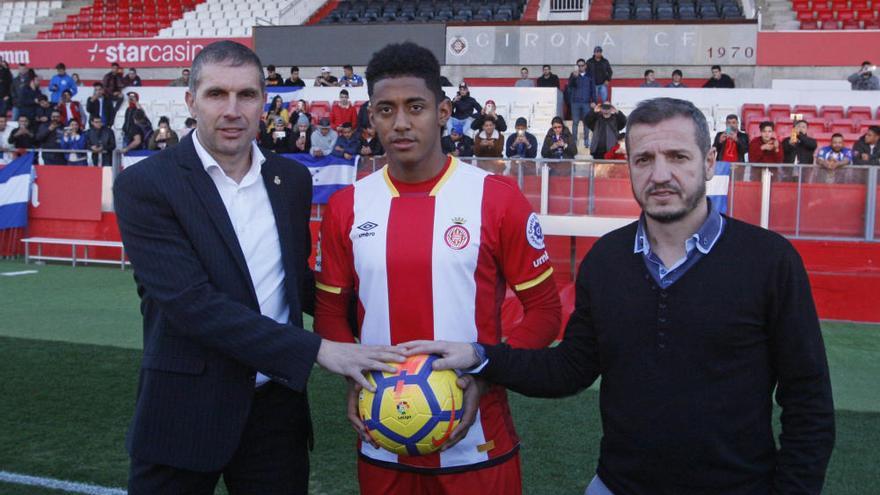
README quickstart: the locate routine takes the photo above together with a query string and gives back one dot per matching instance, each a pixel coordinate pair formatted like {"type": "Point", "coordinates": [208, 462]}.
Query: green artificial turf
{"type": "Point", "coordinates": [69, 357]}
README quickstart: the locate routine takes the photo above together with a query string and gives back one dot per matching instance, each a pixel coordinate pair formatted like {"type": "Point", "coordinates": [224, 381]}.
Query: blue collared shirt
{"type": "Point", "coordinates": [696, 246]}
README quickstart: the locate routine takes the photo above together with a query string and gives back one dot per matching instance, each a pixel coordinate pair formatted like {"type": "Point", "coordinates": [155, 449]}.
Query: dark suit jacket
{"type": "Point", "coordinates": [204, 337]}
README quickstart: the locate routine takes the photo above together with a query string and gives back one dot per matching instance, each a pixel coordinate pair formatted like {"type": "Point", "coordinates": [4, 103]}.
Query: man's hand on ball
{"type": "Point", "coordinates": [354, 418]}
{"type": "Point", "coordinates": [453, 355]}
{"type": "Point", "coordinates": [473, 388]}
{"type": "Point", "coordinates": [351, 360]}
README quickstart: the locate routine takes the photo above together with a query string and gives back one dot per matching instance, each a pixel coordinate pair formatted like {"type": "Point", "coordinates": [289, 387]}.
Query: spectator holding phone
{"type": "Point", "coordinates": [323, 139]}
{"type": "Point", "coordinates": [74, 140]}
{"type": "Point", "coordinates": [302, 135]}
{"type": "Point", "coordinates": [465, 108]}
{"type": "Point", "coordinates": [731, 144]}
{"type": "Point", "coordinates": [864, 79]}
{"type": "Point", "coordinates": [164, 136]}
{"type": "Point", "coordinates": [559, 142]}
{"type": "Point", "coordinates": [101, 141]}
{"type": "Point", "coordinates": [347, 144]}
{"type": "Point", "coordinates": [489, 112]}
{"type": "Point", "coordinates": [489, 142]}
{"type": "Point", "coordinates": [522, 144]}
{"type": "Point", "coordinates": [60, 83]}
{"type": "Point", "coordinates": [799, 147]}
{"type": "Point", "coordinates": [766, 148]}
{"type": "Point", "coordinates": [276, 109]}
{"type": "Point", "coordinates": [277, 137]}
{"type": "Point", "coordinates": [369, 144]}
{"type": "Point", "coordinates": [456, 143]}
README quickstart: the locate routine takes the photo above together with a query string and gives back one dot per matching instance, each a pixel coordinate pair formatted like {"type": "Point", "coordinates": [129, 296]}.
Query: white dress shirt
{"type": "Point", "coordinates": [247, 204]}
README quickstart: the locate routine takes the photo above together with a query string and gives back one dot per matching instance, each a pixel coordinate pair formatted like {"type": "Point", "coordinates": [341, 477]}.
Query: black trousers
{"type": "Point", "coordinates": [272, 458]}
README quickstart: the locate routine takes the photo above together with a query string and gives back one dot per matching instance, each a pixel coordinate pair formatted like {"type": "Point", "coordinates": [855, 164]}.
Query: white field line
{"type": "Point", "coordinates": [67, 486]}
{"type": "Point", "coordinates": [15, 274]}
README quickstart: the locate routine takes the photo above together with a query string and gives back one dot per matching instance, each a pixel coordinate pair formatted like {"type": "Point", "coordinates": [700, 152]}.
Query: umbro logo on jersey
{"type": "Point", "coordinates": [366, 229]}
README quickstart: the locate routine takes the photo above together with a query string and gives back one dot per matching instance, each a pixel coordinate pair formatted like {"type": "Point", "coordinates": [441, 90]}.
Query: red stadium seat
{"type": "Point", "coordinates": [806, 111]}
{"type": "Point", "coordinates": [858, 113]}
{"type": "Point", "coordinates": [807, 25]}
{"type": "Point", "coordinates": [831, 111]}
{"type": "Point", "coordinates": [783, 128]}
{"type": "Point", "coordinates": [830, 25]}
{"type": "Point", "coordinates": [863, 12]}
{"type": "Point", "coordinates": [779, 112]}
{"type": "Point", "coordinates": [319, 109]}
{"type": "Point", "coordinates": [843, 126]}
{"type": "Point", "coordinates": [852, 24]}
{"type": "Point", "coordinates": [802, 7]}
{"type": "Point", "coordinates": [753, 129]}
{"type": "Point", "coordinates": [806, 16]}
{"type": "Point", "coordinates": [865, 124]}
{"type": "Point", "coordinates": [871, 23]}
{"type": "Point", "coordinates": [845, 15]}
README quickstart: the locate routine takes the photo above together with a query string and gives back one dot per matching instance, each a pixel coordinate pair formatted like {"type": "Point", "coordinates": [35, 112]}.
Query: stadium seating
{"type": "Point", "coordinates": [371, 11]}
{"type": "Point", "coordinates": [837, 14]}
{"type": "Point", "coordinates": [15, 14]}
{"type": "Point", "coordinates": [120, 19]}
{"type": "Point", "coordinates": [851, 122]}
{"type": "Point", "coordinates": [223, 18]}
{"type": "Point", "coordinates": [676, 9]}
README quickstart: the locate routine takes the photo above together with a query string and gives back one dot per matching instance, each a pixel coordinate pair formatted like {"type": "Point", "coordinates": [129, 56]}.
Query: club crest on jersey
{"type": "Point", "coordinates": [534, 234]}
{"type": "Point", "coordinates": [457, 236]}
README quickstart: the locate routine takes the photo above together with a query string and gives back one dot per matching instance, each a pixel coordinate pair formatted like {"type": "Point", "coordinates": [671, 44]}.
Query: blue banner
{"type": "Point", "coordinates": [15, 186]}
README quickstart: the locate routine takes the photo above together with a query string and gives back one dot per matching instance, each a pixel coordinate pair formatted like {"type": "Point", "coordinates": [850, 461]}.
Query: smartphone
{"type": "Point", "coordinates": [520, 133]}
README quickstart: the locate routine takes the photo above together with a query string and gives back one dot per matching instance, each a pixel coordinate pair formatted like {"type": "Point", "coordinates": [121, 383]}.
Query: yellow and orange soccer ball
{"type": "Point", "coordinates": [414, 409]}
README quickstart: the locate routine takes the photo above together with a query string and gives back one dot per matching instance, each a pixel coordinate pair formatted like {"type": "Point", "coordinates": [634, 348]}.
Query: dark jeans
{"type": "Point", "coordinates": [272, 457]}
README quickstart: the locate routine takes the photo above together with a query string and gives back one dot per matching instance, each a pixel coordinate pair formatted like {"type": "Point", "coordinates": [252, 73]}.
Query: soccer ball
{"type": "Point", "coordinates": [414, 409]}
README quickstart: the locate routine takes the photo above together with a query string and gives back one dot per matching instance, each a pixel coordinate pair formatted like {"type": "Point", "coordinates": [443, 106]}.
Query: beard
{"type": "Point", "coordinates": [691, 202]}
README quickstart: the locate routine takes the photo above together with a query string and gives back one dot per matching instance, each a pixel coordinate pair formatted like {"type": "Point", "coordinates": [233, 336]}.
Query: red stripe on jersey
{"type": "Point", "coordinates": [408, 262]}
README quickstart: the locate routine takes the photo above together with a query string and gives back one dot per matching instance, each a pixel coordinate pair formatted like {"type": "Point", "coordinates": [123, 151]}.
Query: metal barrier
{"type": "Point", "coordinates": [90, 162]}
{"type": "Point", "coordinates": [798, 201]}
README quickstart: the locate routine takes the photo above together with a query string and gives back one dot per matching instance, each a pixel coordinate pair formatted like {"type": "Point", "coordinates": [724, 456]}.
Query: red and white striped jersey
{"type": "Point", "coordinates": [435, 265]}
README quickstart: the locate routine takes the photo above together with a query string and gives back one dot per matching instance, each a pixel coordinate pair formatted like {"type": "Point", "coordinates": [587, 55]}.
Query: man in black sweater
{"type": "Point", "coordinates": [694, 321]}
{"type": "Point", "coordinates": [798, 148]}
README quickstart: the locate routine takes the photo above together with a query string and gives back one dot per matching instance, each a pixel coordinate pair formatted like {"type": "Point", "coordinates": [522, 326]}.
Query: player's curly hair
{"type": "Point", "coordinates": [405, 59]}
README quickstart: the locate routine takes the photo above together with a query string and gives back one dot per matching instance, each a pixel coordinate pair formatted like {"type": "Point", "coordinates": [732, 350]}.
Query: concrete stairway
{"type": "Point", "coordinates": [778, 15]}
{"type": "Point", "coordinates": [29, 32]}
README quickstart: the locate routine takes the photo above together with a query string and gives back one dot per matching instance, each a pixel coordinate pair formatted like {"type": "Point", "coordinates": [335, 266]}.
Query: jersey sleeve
{"type": "Point", "coordinates": [334, 270]}
{"type": "Point", "coordinates": [522, 255]}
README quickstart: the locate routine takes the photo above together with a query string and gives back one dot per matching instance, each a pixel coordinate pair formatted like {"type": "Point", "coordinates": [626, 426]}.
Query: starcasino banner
{"type": "Point", "coordinates": [100, 53]}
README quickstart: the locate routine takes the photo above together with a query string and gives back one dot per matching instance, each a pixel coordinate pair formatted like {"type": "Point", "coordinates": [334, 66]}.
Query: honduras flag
{"type": "Point", "coordinates": [133, 157]}
{"type": "Point", "coordinates": [718, 187]}
{"type": "Point", "coordinates": [15, 184]}
{"type": "Point", "coordinates": [329, 174]}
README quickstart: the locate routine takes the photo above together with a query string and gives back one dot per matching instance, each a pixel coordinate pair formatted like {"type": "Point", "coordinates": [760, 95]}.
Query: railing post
{"type": "Point", "coordinates": [765, 197]}
{"type": "Point", "coordinates": [871, 204]}
{"type": "Point", "coordinates": [797, 218]}
{"type": "Point", "coordinates": [591, 196]}
{"type": "Point", "coordinates": [545, 188]}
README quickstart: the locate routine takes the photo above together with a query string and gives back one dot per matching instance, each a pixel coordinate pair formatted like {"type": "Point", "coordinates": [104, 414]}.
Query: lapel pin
{"type": "Point", "coordinates": [277, 180]}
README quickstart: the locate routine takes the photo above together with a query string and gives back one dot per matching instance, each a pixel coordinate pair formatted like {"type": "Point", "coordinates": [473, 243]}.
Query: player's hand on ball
{"type": "Point", "coordinates": [473, 388]}
{"type": "Point", "coordinates": [454, 355]}
{"type": "Point", "coordinates": [353, 417]}
{"type": "Point", "coordinates": [351, 360]}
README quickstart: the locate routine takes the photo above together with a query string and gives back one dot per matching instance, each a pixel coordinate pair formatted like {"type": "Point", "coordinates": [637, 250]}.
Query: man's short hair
{"type": "Point", "coordinates": [837, 134]}
{"type": "Point", "coordinates": [60, 66]}
{"type": "Point", "coordinates": [580, 60]}
{"type": "Point", "coordinates": [716, 67]}
{"type": "Point", "coordinates": [343, 92]}
{"type": "Point", "coordinates": [875, 129]}
{"type": "Point", "coordinates": [649, 71]}
{"type": "Point", "coordinates": [866, 62]}
{"type": "Point", "coordinates": [98, 84]}
{"type": "Point", "coordinates": [677, 72]}
{"type": "Point", "coordinates": [656, 110]}
{"type": "Point", "coordinates": [294, 69]}
{"type": "Point", "coordinates": [349, 67]}
{"type": "Point", "coordinates": [225, 52]}
{"type": "Point", "coordinates": [802, 121]}
{"type": "Point", "coordinates": [524, 69]}
{"type": "Point", "coordinates": [545, 66]}
{"type": "Point", "coordinates": [766, 123]}
{"type": "Point", "coordinates": [42, 97]}
{"type": "Point", "coordinates": [405, 59]}
{"type": "Point", "coordinates": [96, 117]}
{"type": "Point", "coordinates": [270, 68]}
{"type": "Point", "coordinates": [732, 116]}
{"type": "Point", "coordinates": [114, 64]}
{"type": "Point", "coordinates": [189, 122]}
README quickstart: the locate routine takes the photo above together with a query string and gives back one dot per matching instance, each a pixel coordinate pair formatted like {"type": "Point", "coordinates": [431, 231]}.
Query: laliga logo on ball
{"type": "Point", "coordinates": [414, 409]}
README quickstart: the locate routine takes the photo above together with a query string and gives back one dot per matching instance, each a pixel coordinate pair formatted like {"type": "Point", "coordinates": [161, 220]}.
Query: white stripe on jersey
{"type": "Point", "coordinates": [372, 205]}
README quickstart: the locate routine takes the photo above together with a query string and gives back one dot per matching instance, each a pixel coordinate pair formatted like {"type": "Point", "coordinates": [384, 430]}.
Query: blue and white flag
{"type": "Point", "coordinates": [133, 157]}
{"type": "Point", "coordinates": [329, 174]}
{"type": "Point", "coordinates": [15, 185]}
{"type": "Point", "coordinates": [718, 187]}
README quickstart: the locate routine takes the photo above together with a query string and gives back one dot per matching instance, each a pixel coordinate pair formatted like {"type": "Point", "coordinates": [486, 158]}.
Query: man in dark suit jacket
{"type": "Point", "coordinates": [218, 236]}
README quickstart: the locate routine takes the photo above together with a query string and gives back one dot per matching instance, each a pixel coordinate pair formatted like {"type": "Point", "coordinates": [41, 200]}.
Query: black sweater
{"type": "Point", "coordinates": [689, 373]}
